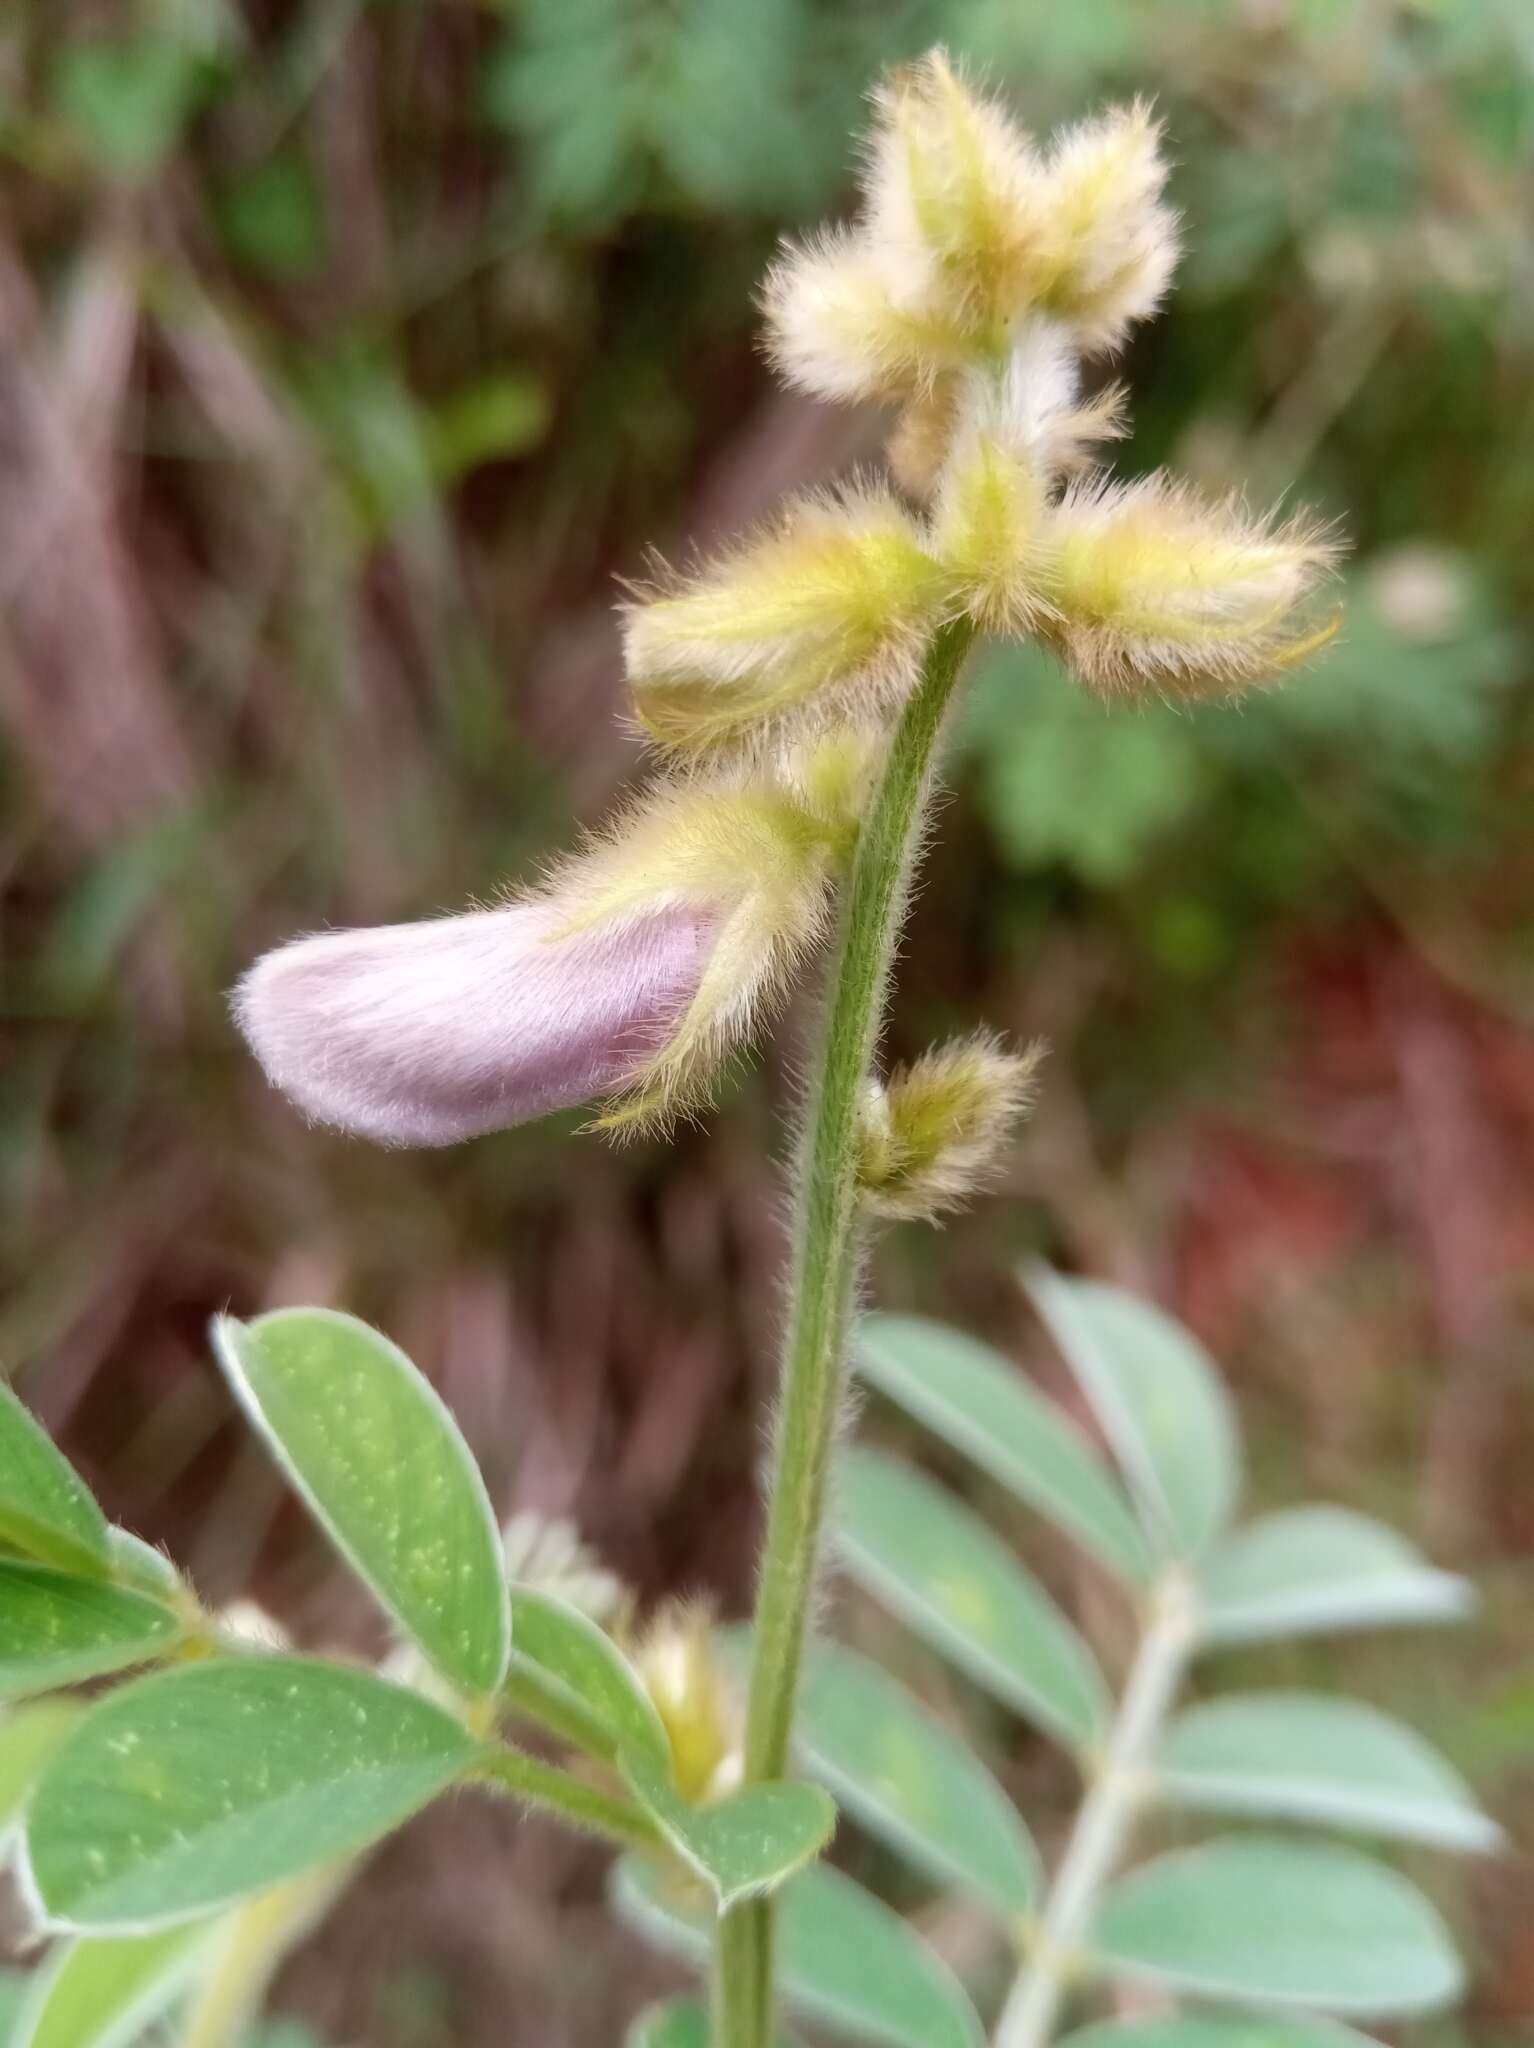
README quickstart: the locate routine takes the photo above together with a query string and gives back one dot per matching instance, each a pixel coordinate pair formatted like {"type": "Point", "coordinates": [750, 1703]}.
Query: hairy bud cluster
{"type": "Point", "coordinates": [967, 230]}
{"type": "Point", "coordinates": [934, 1132]}
{"type": "Point", "coordinates": [980, 272]}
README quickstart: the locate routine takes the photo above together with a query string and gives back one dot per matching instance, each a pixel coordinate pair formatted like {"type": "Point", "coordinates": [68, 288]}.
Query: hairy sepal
{"type": "Point", "coordinates": [827, 613]}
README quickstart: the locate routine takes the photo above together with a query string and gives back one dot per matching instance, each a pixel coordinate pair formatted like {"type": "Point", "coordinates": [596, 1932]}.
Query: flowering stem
{"type": "Point", "coordinates": [1106, 1817]}
{"type": "Point", "coordinates": [826, 1254]}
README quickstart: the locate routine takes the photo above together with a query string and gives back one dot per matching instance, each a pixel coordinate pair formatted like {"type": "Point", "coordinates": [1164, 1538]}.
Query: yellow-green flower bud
{"type": "Point", "coordinates": [696, 1700]}
{"type": "Point", "coordinates": [936, 1131]}
{"type": "Point", "coordinates": [832, 610]}
{"type": "Point", "coordinates": [1148, 589]}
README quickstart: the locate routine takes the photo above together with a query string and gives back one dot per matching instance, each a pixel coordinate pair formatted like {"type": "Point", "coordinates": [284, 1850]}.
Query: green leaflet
{"type": "Point", "coordinates": [980, 1403]}
{"type": "Point", "coordinates": [581, 1670]}
{"type": "Point", "coordinates": [188, 1790]}
{"type": "Point", "coordinates": [744, 1844]}
{"type": "Point", "coordinates": [1311, 1570]}
{"type": "Point", "coordinates": [375, 1453]}
{"type": "Point", "coordinates": [56, 1629]}
{"type": "Point", "coordinates": [1159, 1398]}
{"type": "Point", "coordinates": [104, 1993]}
{"type": "Point", "coordinates": [1301, 1756]}
{"type": "Point", "coordinates": [910, 1780]}
{"type": "Point", "coordinates": [845, 1959]}
{"type": "Point", "coordinates": [46, 1510]}
{"type": "Point", "coordinates": [1280, 1922]}
{"type": "Point", "coordinates": [935, 1564]}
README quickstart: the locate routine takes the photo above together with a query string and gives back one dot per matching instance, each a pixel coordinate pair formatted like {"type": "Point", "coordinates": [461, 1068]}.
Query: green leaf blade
{"type": "Point", "coordinates": [1233, 2030]}
{"type": "Point", "coordinates": [1159, 1398]}
{"type": "Point", "coordinates": [139, 1566]}
{"type": "Point", "coordinates": [58, 1630]}
{"type": "Point", "coordinates": [909, 1780]}
{"type": "Point", "coordinates": [744, 1845]}
{"type": "Point", "coordinates": [844, 1958]}
{"type": "Point", "coordinates": [1313, 1570]}
{"type": "Point", "coordinates": [935, 1565]}
{"type": "Point", "coordinates": [194, 1788]}
{"type": "Point", "coordinates": [1302, 1756]}
{"type": "Point", "coordinates": [978, 1402]}
{"type": "Point", "coordinates": [106, 1993]}
{"type": "Point", "coordinates": [590, 1673]}
{"type": "Point", "coordinates": [28, 1737]}
{"type": "Point", "coordinates": [46, 1509]}
{"type": "Point", "coordinates": [379, 1460]}
{"type": "Point", "coordinates": [1280, 1922]}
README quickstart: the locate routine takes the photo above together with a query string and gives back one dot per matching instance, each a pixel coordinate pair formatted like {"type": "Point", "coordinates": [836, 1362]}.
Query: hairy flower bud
{"type": "Point", "coordinates": [968, 233]}
{"type": "Point", "coordinates": [834, 607]}
{"type": "Point", "coordinates": [632, 975]}
{"type": "Point", "coordinates": [849, 321]}
{"type": "Point", "coordinates": [1107, 245]}
{"type": "Point", "coordinates": [1149, 588]}
{"type": "Point", "coordinates": [935, 1131]}
{"type": "Point", "coordinates": [698, 1706]}
{"type": "Point", "coordinates": [952, 184]}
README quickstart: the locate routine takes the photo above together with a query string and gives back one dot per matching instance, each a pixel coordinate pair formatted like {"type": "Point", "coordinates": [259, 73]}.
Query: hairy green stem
{"type": "Point", "coordinates": [582, 1805]}
{"type": "Point", "coordinates": [827, 1249]}
{"type": "Point", "coordinates": [1102, 1827]}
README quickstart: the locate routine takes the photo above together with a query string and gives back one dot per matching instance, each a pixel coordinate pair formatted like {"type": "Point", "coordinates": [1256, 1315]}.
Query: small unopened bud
{"type": "Point", "coordinates": [969, 232]}
{"type": "Point", "coordinates": [632, 975]}
{"type": "Point", "coordinates": [1149, 589]}
{"type": "Point", "coordinates": [698, 1705]}
{"type": "Point", "coordinates": [848, 320]}
{"type": "Point", "coordinates": [1107, 245]}
{"type": "Point", "coordinates": [833, 608]}
{"type": "Point", "coordinates": [936, 1131]}
{"type": "Point", "coordinates": [953, 183]}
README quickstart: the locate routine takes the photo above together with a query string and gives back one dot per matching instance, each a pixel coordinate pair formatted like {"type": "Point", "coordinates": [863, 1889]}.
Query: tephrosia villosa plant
{"type": "Point", "coordinates": [182, 1831]}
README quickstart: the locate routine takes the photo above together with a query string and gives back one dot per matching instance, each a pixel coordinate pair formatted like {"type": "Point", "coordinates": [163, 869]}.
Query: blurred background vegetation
{"type": "Point", "coordinates": [349, 350]}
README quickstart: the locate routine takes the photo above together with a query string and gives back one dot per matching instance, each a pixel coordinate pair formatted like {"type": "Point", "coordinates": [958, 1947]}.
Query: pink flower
{"type": "Point", "coordinates": [426, 1034]}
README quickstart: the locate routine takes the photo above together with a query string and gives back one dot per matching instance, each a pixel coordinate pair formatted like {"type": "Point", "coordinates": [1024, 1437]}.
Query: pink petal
{"type": "Point", "coordinates": [425, 1034]}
